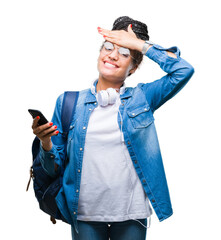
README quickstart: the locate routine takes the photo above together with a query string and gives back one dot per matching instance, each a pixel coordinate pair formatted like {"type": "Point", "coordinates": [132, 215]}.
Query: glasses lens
{"type": "Point", "coordinates": [124, 52]}
{"type": "Point", "coordinates": [108, 46]}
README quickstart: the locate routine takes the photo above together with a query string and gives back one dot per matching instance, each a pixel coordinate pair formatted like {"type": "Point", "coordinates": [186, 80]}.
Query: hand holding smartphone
{"type": "Point", "coordinates": [44, 133]}
{"type": "Point", "coordinates": [34, 113]}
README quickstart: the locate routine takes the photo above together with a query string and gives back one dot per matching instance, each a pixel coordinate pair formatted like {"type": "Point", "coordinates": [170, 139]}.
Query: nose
{"type": "Point", "coordinates": [114, 54]}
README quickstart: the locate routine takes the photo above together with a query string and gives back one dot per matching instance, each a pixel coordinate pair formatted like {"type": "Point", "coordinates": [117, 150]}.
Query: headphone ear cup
{"type": "Point", "coordinates": [112, 95]}
{"type": "Point", "coordinates": [102, 98]}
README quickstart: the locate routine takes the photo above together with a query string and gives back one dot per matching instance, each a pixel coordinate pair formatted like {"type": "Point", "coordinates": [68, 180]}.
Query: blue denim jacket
{"type": "Point", "coordinates": [137, 107]}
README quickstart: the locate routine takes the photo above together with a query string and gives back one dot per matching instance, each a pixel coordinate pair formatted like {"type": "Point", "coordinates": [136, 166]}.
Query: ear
{"type": "Point", "coordinates": [133, 69]}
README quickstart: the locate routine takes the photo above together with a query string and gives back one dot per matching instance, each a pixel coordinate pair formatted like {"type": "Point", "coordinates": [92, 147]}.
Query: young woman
{"type": "Point", "coordinates": [115, 167]}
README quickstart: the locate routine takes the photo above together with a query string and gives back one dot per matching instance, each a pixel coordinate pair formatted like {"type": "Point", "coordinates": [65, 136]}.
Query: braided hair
{"type": "Point", "coordinates": [139, 28]}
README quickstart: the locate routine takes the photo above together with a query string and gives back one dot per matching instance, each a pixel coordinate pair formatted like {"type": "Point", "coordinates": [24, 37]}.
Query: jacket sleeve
{"type": "Point", "coordinates": [178, 74]}
{"type": "Point", "coordinates": [57, 154]}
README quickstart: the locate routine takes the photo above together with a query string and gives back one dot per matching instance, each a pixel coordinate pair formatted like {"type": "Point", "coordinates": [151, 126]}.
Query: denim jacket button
{"type": "Point", "coordinates": [135, 161]}
{"type": "Point", "coordinates": [84, 127]}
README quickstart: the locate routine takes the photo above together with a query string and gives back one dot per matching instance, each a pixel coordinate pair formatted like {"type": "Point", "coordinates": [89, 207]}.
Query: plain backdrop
{"type": "Point", "coordinates": [47, 47]}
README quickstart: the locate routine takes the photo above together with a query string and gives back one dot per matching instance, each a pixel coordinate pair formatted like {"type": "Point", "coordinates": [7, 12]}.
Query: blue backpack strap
{"type": "Point", "coordinates": [68, 110]}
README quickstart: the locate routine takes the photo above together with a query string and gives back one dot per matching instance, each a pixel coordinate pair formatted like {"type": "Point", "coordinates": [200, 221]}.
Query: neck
{"type": "Point", "coordinates": [103, 84]}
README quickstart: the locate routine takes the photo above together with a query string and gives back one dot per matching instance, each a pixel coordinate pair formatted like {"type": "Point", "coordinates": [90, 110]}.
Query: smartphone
{"type": "Point", "coordinates": [36, 113]}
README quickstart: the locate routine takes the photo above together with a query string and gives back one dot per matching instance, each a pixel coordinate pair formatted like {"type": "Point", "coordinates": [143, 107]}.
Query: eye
{"type": "Point", "coordinates": [124, 52]}
{"type": "Point", "coordinates": [108, 46]}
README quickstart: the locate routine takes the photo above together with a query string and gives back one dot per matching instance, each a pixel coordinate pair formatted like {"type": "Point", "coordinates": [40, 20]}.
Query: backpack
{"type": "Point", "coordinates": [46, 188]}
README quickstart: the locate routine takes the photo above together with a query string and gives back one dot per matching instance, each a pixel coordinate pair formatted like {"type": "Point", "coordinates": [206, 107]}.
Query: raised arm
{"type": "Point", "coordinates": [178, 70]}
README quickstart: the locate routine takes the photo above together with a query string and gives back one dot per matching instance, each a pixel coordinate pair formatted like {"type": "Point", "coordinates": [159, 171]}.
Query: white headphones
{"type": "Point", "coordinates": [109, 96]}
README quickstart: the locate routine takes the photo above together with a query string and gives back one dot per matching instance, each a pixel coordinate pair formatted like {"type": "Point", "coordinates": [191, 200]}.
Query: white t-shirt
{"type": "Point", "coordinates": [110, 189]}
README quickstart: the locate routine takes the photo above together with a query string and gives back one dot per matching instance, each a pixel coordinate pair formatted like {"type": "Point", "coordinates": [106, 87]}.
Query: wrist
{"type": "Point", "coordinates": [139, 45]}
{"type": "Point", "coordinates": [46, 145]}
{"type": "Point", "coordinates": [146, 46]}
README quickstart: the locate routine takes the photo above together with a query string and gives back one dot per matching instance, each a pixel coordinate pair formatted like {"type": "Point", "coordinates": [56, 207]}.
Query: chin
{"type": "Point", "coordinates": [110, 77]}
{"type": "Point", "coordinates": [108, 73]}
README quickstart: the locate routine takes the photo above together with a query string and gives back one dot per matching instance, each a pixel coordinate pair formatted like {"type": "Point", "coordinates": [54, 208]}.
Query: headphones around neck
{"type": "Point", "coordinates": [108, 96]}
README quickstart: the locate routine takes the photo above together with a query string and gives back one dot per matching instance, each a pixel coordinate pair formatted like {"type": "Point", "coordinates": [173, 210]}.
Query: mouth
{"type": "Point", "coordinates": [111, 65]}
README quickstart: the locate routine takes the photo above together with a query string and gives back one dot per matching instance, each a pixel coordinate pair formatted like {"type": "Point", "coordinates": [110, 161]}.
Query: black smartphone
{"type": "Point", "coordinates": [36, 113]}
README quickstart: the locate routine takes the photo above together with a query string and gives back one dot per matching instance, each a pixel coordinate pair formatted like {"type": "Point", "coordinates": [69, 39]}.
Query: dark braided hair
{"type": "Point", "coordinates": [139, 28]}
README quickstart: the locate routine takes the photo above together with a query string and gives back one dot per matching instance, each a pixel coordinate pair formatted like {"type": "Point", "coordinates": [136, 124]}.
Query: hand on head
{"type": "Point", "coordinates": [127, 39]}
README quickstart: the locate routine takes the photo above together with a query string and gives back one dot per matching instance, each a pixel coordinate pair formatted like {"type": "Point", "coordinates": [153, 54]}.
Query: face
{"type": "Point", "coordinates": [113, 65]}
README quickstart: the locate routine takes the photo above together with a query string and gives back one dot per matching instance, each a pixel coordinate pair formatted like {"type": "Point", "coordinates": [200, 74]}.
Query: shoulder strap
{"type": "Point", "coordinates": [68, 109]}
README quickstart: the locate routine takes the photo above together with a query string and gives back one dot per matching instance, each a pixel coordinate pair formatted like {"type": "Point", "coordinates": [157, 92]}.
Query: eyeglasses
{"type": "Point", "coordinates": [108, 48]}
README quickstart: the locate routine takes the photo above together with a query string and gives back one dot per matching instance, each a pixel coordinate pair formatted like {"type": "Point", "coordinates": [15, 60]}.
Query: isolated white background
{"type": "Point", "coordinates": [47, 47]}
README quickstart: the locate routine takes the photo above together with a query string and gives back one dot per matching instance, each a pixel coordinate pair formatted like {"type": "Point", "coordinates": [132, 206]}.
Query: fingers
{"type": "Point", "coordinates": [122, 38]}
{"type": "Point", "coordinates": [109, 34]}
{"type": "Point", "coordinates": [44, 131]}
{"type": "Point", "coordinates": [129, 28]}
{"type": "Point", "coordinates": [130, 31]}
{"type": "Point", "coordinates": [103, 32]}
{"type": "Point", "coordinates": [117, 33]}
{"type": "Point", "coordinates": [112, 36]}
{"type": "Point", "coordinates": [35, 122]}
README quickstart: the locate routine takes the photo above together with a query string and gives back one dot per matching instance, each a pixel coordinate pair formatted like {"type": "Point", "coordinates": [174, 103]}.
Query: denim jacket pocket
{"type": "Point", "coordinates": [141, 116]}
